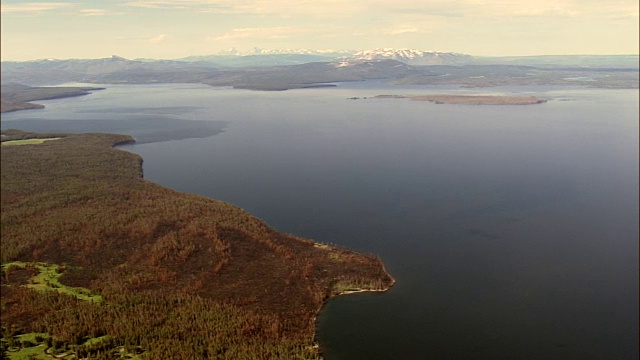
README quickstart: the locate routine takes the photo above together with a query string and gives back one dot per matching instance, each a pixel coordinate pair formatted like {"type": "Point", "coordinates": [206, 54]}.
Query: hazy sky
{"type": "Point", "coordinates": [177, 28]}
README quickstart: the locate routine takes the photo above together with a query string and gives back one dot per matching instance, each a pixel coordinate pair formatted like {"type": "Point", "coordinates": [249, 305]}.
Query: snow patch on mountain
{"type": "Point", "coordinates": [410, 56]}
{"type": "Point", "coordinates": [260, 51]}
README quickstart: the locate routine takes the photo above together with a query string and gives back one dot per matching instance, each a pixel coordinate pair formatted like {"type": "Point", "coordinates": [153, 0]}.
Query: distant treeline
{"type": "Point", "coordinates": [14, 97]}
{"type": "Point", "coordinates": [14, 134]}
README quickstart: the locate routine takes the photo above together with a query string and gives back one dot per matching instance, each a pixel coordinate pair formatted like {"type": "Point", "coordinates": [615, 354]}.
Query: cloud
{"type": "Point", "coordinates": [158, 39]}
{"type": "Point", "coordinates": [507, 10]}
{"type": "Point", "coordinates": [197, 5]}
{"type": "Point", "coordinates": [33, 7]}
{"type": "Point", "coordinates": [138, 39]}
{"type": "Point", "coordinates": [402, 30]}
{"type": "Point", "coordinates": [99, 12]}
{"type": "Point", "coordinates": [235, 34]}
{"type": "Point", "coordinates": [418, 10]}
{"type": "Point", "coordinates": [554, 8]}
{"type": "Point", "coordinates": [281, 8]}
{"type": "Point", "coordinates": [264, 34]}
{"type": "Point", "coordinates": [93, 12]}
{"type": "Point", "coordinates": [629, 10]}
{"type": "Point", "coordinates": [546, 10]}
{"type": "Point", "coordinates": [164, 4]}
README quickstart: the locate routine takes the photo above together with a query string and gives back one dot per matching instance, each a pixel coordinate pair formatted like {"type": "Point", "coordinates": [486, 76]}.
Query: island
{"type": "Point", "coordinates": [470, 99]}
{"type": "Point", "coordinates": [99, 263]}
{"type": "Point", "coordinates": [280, 86]}
{"type": "Point", "coordinates": [14, 97]}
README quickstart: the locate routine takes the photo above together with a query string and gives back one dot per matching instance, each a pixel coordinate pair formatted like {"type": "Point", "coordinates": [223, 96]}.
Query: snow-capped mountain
{"type": "Point", "coordinates": [261, 51]}
{"type": "Point", "coordinates": [267, 57]}
{"type": "Point", "coordinates": [410, 56]}
{"type": "Point", "coordinates": [270, 57]}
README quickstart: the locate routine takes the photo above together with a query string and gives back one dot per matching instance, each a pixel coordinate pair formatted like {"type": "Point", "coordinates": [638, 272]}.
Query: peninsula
{"type": "Point", "coordinates": [14, 97]}
{"type": "Point", "coordinates": [470, 99]}
{"type": "Point", "coordinates": [98, 262]}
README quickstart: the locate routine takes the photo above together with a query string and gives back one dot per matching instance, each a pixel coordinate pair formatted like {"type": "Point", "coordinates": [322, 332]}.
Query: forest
{"type": "Point", "coordinates": [99, 263]}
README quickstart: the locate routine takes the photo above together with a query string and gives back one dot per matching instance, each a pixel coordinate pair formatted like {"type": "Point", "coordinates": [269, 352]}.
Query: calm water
{"type": "Point", "coordinates": [512, 231]}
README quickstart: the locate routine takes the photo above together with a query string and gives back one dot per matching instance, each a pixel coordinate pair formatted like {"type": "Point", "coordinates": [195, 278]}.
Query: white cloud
{"type": "Point", "coordinates": [165, 4]}
{"type": "Point", "coordinates": [402, 30]}
{"type": "Point", "coordinates": [553, 8]}
{"type": "Point", "coordinates": [93, 12]}
{"type": "Point", "coordinates": [235, 34]}
{"type": "Point", "coordinates": [33, 7]}
{"type": "Point", "coordinates": [158, 39]}
{"type": "Point", "coordinates": [99, 12]}
{"type": "Point", "coordinates": [290, 35]}
{"type": "Point", "coordinates": [547, 9]}
{"type": "Point", "coordinates": [139, 39]}
{"type": "Point", "coordinates": [281, 8]}
{"type": "Point", "coordinates": [413, 9]}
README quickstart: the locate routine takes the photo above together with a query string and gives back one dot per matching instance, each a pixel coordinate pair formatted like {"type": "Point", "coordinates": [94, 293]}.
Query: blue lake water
{"type": "Point", "coordinates": [512, 231]}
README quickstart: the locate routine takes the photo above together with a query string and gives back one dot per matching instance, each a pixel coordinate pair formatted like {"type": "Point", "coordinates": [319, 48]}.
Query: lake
{"type": "Point", "coordinates": [512, 231]}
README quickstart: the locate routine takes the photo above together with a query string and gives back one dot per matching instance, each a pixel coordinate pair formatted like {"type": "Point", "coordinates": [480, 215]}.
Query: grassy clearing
{"type": "Point", "coordinates": [30, 353]}
{"type": "Point", "coordinates": [48, 278]}
{"type": "Point", "coordinates": [35, 338]}
{"type": "Point", "coordinates": [34, 346]}
{"type": "Point", "coordinates": [336, 257]}
{"type": "Point", "coordinates": [27, 141]}
{"type": "Point", "coordinates": [96, 340]}
{"type": "Point", "coordinates": [29, 346]}
{"type": "Point", "coordinates": [106, 343]}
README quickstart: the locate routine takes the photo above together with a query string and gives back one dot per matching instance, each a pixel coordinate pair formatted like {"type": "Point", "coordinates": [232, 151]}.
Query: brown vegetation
{"type": "Point", "coordinates": [182, 276]}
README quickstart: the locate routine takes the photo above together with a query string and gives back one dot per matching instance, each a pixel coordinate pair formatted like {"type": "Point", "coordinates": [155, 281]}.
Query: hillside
{"type": "Point", "coordinates": [111, 70]}
{"type": "Point", "coordinates": [145, 269]}
{"type": "Point", "coordinates": [304, 75]}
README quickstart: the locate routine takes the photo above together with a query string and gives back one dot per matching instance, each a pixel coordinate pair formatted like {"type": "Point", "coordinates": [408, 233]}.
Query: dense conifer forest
{"type": "Point", "coordinates": [99, 263]}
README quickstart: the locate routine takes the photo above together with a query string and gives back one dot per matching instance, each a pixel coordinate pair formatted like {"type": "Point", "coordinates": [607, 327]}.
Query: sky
{"type": "Point", "coordinates": [170, 29]}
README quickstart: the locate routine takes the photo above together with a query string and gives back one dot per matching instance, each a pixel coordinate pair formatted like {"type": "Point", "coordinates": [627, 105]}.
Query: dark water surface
{"type": "Point", "coordinates": [512, 231]}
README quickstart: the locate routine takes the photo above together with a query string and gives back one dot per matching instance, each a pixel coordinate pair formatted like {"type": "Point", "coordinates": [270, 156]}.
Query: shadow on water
{"type": "Point", "coordinates": [145, 129]}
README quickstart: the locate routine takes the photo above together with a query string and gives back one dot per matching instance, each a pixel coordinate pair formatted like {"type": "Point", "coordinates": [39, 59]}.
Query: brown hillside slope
{"type": "Point", "coordinates": [181, 274]}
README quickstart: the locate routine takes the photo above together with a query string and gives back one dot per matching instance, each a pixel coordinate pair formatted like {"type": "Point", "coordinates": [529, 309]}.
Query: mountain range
{"type": "Point", "coordinates": [268, 57]}
{"type": "Point", "coordinates": [262, 69]}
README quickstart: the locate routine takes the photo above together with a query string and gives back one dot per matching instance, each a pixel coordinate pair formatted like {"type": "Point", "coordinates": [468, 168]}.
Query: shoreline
{"type": "Point", "coordinates": [470, 99]}
{"type": "Point", "coordinates": [316, 341]}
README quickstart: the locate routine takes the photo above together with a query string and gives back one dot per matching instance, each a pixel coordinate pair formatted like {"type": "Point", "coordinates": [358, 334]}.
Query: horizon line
{"type": "Point", "coordinates": [336, 51]}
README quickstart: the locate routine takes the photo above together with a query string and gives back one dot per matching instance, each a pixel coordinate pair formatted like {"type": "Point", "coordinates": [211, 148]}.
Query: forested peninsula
{"type": "Point", "coordinates": [98, 262]}
{"type": "Point", "coordinates": [14, 97]}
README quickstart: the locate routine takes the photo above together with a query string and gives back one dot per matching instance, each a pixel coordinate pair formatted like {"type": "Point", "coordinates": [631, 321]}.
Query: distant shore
{"type": "Point", "coordinates": [470, 99]}
{"type": "Point", "coordinates": [281, 86]}
{"type": "Point", "coordinates": [17, 97]}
